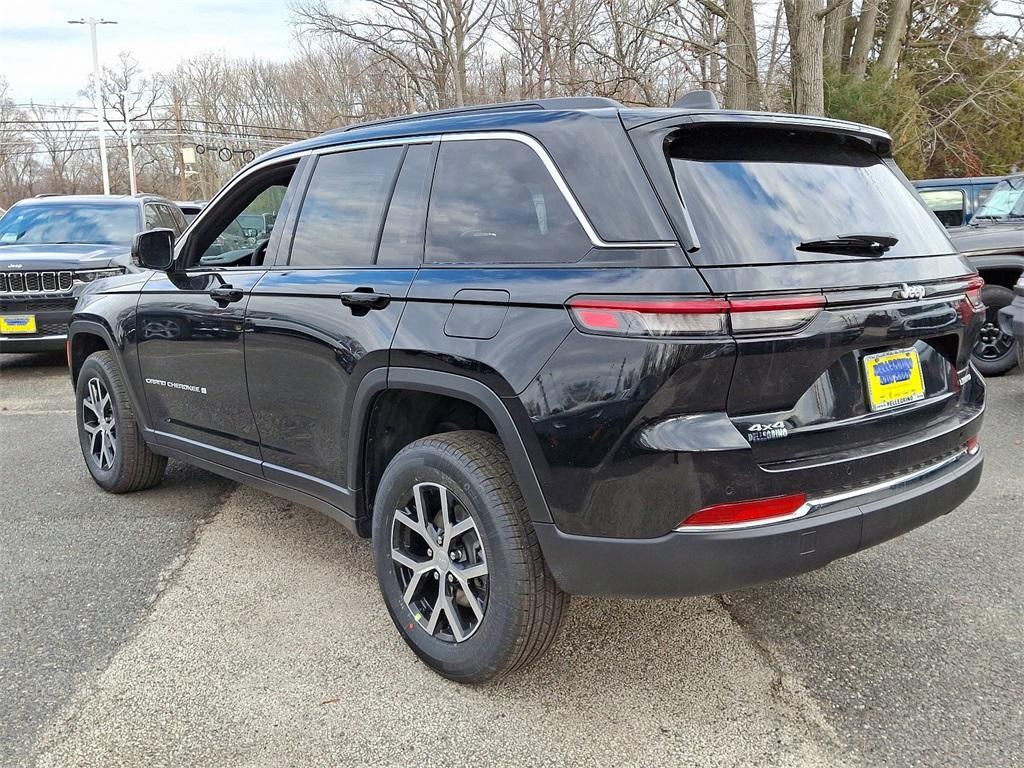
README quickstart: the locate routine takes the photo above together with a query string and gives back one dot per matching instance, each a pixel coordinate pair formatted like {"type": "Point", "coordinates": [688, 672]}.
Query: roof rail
{"type": "Point", "coordinates": [569, 102]}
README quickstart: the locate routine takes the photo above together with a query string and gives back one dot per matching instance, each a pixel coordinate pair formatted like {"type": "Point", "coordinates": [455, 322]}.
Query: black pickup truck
{"type": "Point", "coordinates": [994, 243]}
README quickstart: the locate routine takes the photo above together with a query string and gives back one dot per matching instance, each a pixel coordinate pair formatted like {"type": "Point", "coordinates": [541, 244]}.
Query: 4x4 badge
{"type": "Point", "coordinates": [759, 432]}
{"type": "Point", "coordinates": [910, 291]}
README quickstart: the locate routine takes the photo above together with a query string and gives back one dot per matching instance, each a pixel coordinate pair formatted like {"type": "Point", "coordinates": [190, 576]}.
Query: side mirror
{"type": "Point", "coordinates": [154, 249]}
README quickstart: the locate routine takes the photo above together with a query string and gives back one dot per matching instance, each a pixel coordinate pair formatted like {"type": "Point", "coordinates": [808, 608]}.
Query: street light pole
{"type": "Point", "coordinates": [97, 95]}
{"type": "Point", "coordinates": [131, 153]}
{"type": "Point", "coordinates": [128, 141]}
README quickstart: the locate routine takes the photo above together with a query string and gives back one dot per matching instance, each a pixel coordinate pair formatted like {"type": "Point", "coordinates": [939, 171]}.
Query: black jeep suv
{"type": "Point", "coordinates": [54, 245]}
{"type": "Point", "coordinates": [557, 347]}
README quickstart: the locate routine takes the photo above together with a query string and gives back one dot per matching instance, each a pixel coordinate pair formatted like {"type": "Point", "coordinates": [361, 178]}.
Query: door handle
{"type": "Point", "coordinates": [365, 300]}
{"type": "Point", "coordinates": [225, 294]}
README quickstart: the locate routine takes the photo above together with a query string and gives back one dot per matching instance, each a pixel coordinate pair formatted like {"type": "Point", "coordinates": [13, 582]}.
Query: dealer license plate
{"type": "Point", "coordinates": [10, 324]}
{"type": "Point", "coordinates": [893, 378]}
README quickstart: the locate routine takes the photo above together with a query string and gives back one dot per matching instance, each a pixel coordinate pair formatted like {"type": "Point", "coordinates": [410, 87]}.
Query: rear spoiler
{"type": "Point", "coordinates": [665, 121]}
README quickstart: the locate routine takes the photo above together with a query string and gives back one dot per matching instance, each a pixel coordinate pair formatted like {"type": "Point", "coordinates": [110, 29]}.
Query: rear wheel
{"type": "Point", "coordinates": [995, 352]}
{"type": "Point", "coordinates": [115, 453]}
{"type": "Point", "coordinates": [458, 561]}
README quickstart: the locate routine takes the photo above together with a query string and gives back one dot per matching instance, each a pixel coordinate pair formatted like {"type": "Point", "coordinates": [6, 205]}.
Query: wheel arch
{"type": "Point", "coordinates": [87, 336]}
{"type": "Point", "coordinates": [999, 269]}
{"type": "Point", "coordinates": [454, 388]}
{"type": "Point", "coordinates": [84, 338]}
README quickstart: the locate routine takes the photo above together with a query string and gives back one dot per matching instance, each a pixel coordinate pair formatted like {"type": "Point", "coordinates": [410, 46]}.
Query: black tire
{"type": "Point", "coordinates": [130, 465]}
{"type": "Point", "coordinates": [522, 606]}
{"type": "Point", "coordinates": [995, 352]}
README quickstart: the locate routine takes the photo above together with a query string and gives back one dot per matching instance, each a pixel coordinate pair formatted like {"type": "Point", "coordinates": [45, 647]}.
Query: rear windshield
{"type": "Point", "coordinates": [758, 196]}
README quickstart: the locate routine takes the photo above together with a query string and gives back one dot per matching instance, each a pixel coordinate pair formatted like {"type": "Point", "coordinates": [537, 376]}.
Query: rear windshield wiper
{"type": "Point", "coordinates": [868, 245]}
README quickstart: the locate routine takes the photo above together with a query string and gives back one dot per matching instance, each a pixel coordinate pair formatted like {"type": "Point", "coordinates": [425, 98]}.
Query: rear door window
{"type": "Point", "coordinates": [755, 194]}
{"type": "Point", "coordinates": [494, 202]}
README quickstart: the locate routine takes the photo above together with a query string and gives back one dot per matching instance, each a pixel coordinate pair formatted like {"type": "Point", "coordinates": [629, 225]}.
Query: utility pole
{"type": "Point", "coordinates": [182, 186]}
{"type": "Point", "coordinates": [97, 95]}
{"type": "Point", "coordinates": [128, 141]}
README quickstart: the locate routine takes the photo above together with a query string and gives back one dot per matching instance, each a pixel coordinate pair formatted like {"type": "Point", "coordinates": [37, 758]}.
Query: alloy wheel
{"type": "Point", "coordinates": [99, 424]}
{"type": "Point", "coordinates": [439, 560]}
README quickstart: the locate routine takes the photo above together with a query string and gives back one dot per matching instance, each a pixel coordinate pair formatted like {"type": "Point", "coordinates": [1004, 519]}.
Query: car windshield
{"type": "Point", "coordinates": [64, 222]}
{"type": "Point", "coordinates": [1006, 201]}
{"type": "Point", "coordinates": [762, 196]}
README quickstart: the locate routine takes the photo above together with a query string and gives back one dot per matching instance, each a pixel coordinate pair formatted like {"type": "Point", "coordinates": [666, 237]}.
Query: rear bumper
{"type": "Point", "coordinates": [705, 562]}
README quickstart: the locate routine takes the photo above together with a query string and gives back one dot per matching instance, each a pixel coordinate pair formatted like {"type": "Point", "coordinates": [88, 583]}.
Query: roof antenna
{"type": "Point", "coordinates": [696, 100]}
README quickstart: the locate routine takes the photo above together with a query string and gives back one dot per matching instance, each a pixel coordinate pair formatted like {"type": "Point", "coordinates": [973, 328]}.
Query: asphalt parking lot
{"type": "Point", "coordinates": [204, 623]}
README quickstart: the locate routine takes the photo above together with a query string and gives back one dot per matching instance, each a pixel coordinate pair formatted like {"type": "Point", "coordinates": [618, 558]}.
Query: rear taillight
{"type": "Point", "coordinates": [973, 293]}
{"type": "Point", "coordinates": [649, 317]}
{"type": "Point", "coordinates": [662, 316]}
{"type": "Point", "coordinates": [778, 314]}
{"type": "Point", "coordinates": [740, 512]}
{"type": "Point", "coordinates": [972, 304]}
{"type": "Point", "coordinates": [973, 445]}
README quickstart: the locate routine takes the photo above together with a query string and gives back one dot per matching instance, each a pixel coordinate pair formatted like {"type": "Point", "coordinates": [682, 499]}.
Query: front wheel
{"type": "Point", "coordinates": [995, 352]}
{"type": "Point", "coordinates": [458, 561]}
{"type": "Point", "coordinates": [115, 453]}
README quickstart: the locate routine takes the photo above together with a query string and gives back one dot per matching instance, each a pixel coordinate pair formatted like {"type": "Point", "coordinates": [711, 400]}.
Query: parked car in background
{"type": "Point", "coordinates": [1011, 319]}
{"type": "Point", "coordinates": [954, 201]}
{"type": "Point", "coordinates": [714, 349]}
{"type": "Point", "coordinates": [52, 246]}
{"type": "Point", "coordinates": [190, 208]}
{"type": "Point", "coordinates": [994, 243]}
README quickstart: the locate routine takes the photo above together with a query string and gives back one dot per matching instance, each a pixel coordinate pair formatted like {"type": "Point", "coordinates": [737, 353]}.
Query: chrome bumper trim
{"type": "Point", "coordinates": [823, 503]}
{"type": "Point", "coordinates": [59, 336]}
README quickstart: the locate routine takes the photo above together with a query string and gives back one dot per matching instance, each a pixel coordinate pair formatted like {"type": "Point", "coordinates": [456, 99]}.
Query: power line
{"type": "Point", "coordinates": [186, 120]}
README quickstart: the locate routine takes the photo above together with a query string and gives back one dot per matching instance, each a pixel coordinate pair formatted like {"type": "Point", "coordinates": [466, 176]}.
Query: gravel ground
{"type": "Point", "coordinates": [271, 647]}
{"type": "Point", "coordinates": [205, 623]}
{"type": "Point", "coordinates": [78, 568]}
{"type": "Point", "coordinates": [915, 648]}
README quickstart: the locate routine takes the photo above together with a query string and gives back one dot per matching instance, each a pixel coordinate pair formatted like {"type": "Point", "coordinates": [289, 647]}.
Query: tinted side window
{"type": "Point", "coordinates": [178, 218]}
{"type": "Point", "coordinates": [493, 201]}
{"type": "Point", "coordinates": [402, 239]}
{"type": "Point", "coordinates": [341, 214]}
{"type": "Point", "coordinates": [167, 219]}
{"type": "Point", "coordinates": [152, 217]}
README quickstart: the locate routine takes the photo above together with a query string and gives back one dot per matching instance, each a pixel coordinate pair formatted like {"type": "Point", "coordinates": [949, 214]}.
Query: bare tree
{"type": "Point", "coordinates": [833, 46]}
{"type": "Point", "coordinates": [895, 36]}
{"type": "Point", "coordinates": [863, 40]}
{"type": "Point", "coordinates": [59, 133]}
{"type": "Point", "coordinates": [804, 18]}
{"type": "Point", "coordinates": [431, 40]}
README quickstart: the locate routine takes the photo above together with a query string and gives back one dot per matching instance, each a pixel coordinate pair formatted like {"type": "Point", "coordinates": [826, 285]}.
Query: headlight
{"type": "Point", "coordinates": [88, 275]}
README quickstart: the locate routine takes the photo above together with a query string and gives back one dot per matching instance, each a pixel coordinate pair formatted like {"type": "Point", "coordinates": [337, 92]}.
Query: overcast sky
{"type": "Point", "coordinates": [46, 59]}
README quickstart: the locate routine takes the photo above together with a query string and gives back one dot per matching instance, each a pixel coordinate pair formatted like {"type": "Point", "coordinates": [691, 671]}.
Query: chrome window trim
{"type": "Point", "coordinates": [595, 239]}
{"type": "Point", "coordinates": [824, 502]}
